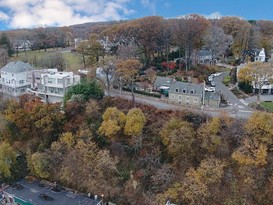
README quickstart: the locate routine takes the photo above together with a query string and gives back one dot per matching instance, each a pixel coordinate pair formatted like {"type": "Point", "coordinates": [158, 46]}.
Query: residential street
{"type": "Point", "coordinates": [240, 114]}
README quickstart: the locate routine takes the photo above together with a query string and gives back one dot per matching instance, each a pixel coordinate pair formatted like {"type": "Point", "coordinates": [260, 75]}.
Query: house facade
{"type": "Point", "coordinates": [204, 57]}
{"type": "Point", "coordinates": [51, 85]}
{"type": "Point", "coordinates": [260, 56]}
{"type": "Point", "coordinates": [14, 78]}
{"type": "Point", "coordinates": [186, 94]}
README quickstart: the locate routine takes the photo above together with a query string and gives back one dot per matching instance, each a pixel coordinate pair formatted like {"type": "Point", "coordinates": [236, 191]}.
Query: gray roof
{"type": "Point", "coordinates": [204, 53]}
{"type": "Point", "coordinates": [159, 81]}
{"type": "Point", "coordinates": [16, 67]}
{"type": "Point", "coordinates": [186, 88]}
{"type": "Point", "coordinates": [31, 190]}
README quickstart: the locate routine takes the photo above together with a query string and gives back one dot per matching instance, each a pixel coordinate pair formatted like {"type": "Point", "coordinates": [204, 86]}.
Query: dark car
{"type": "Point", "coordinates": [46, 197]}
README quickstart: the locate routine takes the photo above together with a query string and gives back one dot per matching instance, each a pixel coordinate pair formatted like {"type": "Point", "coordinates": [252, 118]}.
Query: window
{"type": "Point", "coordinates": [180, 97]}
{"type": "Point", "coordinates": [172, 96]}
{"type": "Point", "coordinates": [184, 91]}
{"type": "Point", "coordinates": [51, 80]}
{"type": "Point", "coordinates": [192, 92]}
{"type": "Point", "coordinates": [21, 81]}
{"type": "Point", "coordinates": [195, 99]}
{"type": "Point", "coordinates": [187, 99]}
{"type": "Point", "coordinates": [60, 81]}
{"type": "Point", "coordinates": [176, 90]}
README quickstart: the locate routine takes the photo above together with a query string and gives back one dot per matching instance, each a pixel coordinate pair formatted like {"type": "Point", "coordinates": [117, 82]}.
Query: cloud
{"type": "Point", "coordinates": [150, 4]}
{"type": "Point", "coordinates": [34, 13]}
{"type": "Point", "coordinates": [214, 15]}
{"type": "Point", "coordinates": [3, 16]}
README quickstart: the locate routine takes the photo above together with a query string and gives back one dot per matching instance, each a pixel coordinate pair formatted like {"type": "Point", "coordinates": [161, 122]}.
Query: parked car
{"type": "Point", "coordinates": [216, 74]}
{"type": "Point", "coordinates": [212, 83]}
{"type": "Point", "coordinates": [210, 78]}
{"type": "Point", "coordinates": [210, 89]}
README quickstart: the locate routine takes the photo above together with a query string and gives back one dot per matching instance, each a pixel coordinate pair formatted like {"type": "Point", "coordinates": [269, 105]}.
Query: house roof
{"type": "Point", "coordinates": [204, 53]}
{"type": "Point", "coordinates": [186, 88]}
{"type": "Point", "coordinates": [16, 67]}
{"type": "Point", "coordinates": [30, 192]}
{"type": "Point", "coordinates": [165, 81]}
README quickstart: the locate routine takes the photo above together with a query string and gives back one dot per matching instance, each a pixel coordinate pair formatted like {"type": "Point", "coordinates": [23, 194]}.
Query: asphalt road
{"type": "Point", "coordinates": [239, 114]}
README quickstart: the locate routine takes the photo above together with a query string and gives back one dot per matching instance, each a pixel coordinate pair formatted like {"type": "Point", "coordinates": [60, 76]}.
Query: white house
{"type": "Point", "coordinates": [14, 78]}
{"type": "Point", "coordinates": [51, 85]}
{"type": "Point", "coordinates": [260, 56]}
{"type": "Point", "coordinates": [204, 57]}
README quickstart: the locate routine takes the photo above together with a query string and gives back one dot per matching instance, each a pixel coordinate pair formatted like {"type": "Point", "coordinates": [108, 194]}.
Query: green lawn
{"type": "Point", "coordinates": [268, 106]}
{"type": "Point", "coordinates": [72, 60]}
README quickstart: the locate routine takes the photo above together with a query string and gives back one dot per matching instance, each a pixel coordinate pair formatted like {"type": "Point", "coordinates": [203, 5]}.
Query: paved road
{"type": "Point", "coordinates": [237, 107]}
{"type": "Point", "coordinates": [167, 106]}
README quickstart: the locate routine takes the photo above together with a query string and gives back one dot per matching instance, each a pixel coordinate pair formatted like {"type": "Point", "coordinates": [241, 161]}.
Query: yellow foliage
{"type": "Point", "coordinates": [169, 127]}
{"type": "Point", "coordinates": [260, 126]}
{"type": "Point", "coordinates": [172, 193]}
{"type": "Point", "coordinates": [113, 121]}
{"type": "Point", "coordinates": [39, 164]}
{"type": "Point", "coordinates": [251, 154]}
{"type": "Point", "coordinates": [135, 121]}
{"type": "Point", "coordinates": [7, 158]}
{"type": "Point", "coordinates": [69, 139]}
{"type": "Point", "coordinates": [209, 135]}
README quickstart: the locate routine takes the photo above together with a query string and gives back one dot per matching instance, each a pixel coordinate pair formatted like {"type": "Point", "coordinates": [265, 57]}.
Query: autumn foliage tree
{"type": "Point", "coordinates": [128, 70]}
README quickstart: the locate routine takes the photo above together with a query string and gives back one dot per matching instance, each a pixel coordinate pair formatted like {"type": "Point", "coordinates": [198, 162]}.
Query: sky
{"type": "Point", "coordinates": [36, 13]}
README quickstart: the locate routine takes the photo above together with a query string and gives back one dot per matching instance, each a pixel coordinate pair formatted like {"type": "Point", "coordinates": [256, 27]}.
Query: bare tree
{"type": "Point", "coordinates": [217, 41]}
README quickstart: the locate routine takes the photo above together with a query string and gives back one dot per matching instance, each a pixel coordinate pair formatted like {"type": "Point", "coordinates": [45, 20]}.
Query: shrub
{"type": "Point", "coordinates": [156, 95]}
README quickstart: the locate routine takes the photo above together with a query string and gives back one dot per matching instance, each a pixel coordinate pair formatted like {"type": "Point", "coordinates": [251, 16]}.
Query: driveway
{"type": "Point", "coordinates": [236, 105]}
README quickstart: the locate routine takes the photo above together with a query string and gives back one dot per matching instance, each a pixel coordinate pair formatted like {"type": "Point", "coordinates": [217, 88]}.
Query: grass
{"type": "Point", "coordinates": [264, 106]}
{"type": "Point", "coordinates": [268, 106]}
{"type": "Point", "coordinates": [72, 60]}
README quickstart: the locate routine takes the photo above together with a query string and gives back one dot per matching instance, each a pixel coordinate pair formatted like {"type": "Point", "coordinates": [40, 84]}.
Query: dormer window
{"type": "Point", "coordinates": [184, 91]}
{"type": "Point", "coordinates": [192, 92]}
{"type": "Point", "coordinates": [176, 90]}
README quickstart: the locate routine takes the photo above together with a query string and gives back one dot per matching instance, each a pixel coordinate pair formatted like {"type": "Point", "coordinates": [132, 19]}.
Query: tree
{"type": "Point", "coordinates": [88, 89]}
{"type": "Point", "coordinates": [91, 48]}
{"type": "Point", "coordinates": [5, 44]}
{"type": "Point", "coordinates": [251, 153]}
{"type": "Point", "coordinates": [7, 159]}
{"type": "Point", "coordinates": [258, 73]}
{"type": "Point", "coordinates": [209, 135]}
{"type": "Point", "coordinates": [217, 41]}
{"type": "Point", "coordinates": [179, 138]}
{"type": "Point", "coordinates": [88, 167]}
{"type": "Point", "coordinates": [135, 121]}
{"type": "Point", "coordinates": [113, 122]}
{"type": "Point", "coordinates": [189, 32]}
{"type": "Point", "coordinates": [3, 56]}
{"type": "Point", "coordinates": [196, 184]}
{"type": "Point", "coordinates": [108, 66]}
{"type": "Point", "coordinates": [39, 164]}
{"type": "Point", "coordinates": [127, 70]}
{"type": "Point", "coordinates": [240, 31]}
{"type": "Point", "coordinates": [260, 127]}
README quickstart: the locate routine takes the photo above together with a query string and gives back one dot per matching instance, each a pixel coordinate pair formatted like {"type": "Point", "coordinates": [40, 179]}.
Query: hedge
{"type": "Point", "coordinates": [156, 95]}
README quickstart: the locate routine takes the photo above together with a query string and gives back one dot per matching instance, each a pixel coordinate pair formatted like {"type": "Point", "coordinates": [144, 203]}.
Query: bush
{"type": "Point", "coordinates": [246, 87]}
{"type": "Point", "coordinates": [226, 80]}
{"type": "Point", "coordinates": [156, 95]}
{"type": "Point", "coordinates": [166, 73]}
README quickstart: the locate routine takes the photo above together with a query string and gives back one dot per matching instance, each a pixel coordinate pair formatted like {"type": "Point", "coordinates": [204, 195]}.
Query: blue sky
{"type": "Point", "coordinates": [34, 13]}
